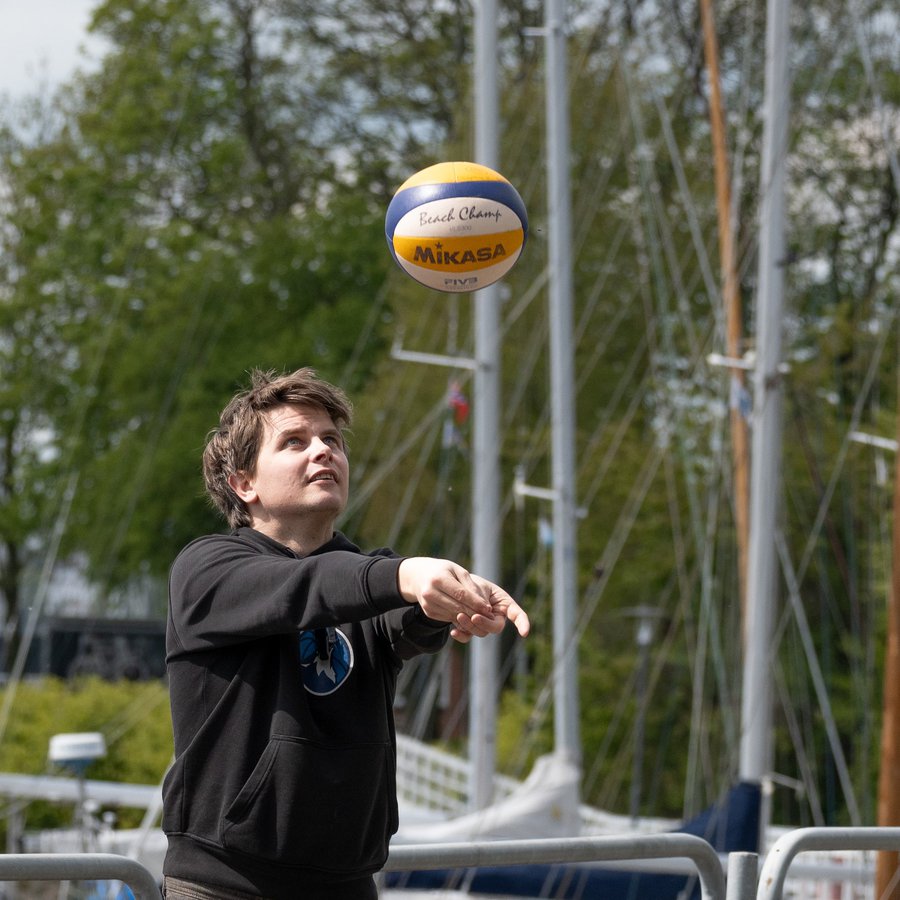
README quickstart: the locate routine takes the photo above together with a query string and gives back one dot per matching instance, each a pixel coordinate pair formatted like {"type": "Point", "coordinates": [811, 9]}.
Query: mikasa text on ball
{"type": "Point", "coordinates": [456, 226]}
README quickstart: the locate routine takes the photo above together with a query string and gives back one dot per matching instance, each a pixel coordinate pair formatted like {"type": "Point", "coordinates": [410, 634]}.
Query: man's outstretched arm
{"type": "Point", "coordinates": [447, 592]}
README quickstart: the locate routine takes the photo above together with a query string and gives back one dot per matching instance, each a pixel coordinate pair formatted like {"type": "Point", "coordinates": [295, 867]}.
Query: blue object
{"type": "Point", "coordinates": [730, 825]}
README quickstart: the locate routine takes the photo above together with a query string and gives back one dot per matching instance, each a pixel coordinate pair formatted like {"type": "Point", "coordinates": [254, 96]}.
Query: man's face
{"type": "Point", "coordinates": [302, 470]}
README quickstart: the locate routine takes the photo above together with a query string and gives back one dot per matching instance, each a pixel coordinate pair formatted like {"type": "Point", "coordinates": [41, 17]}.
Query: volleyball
{"type": "Point", "coordinates": [456, 226]}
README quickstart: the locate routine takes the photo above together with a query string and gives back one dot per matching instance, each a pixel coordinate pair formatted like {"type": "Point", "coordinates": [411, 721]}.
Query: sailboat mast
{"type": "Point", "coordinates": [486, 476]}
{"type": "Point", "coordinates": [562, 388]}
{"type": "Point", "coordinates": [888, 799]}
{"type": "Point", "coordinates": [483, 661]}
{"type": "Point", "coordinates": [731, 296]}
{"type": "Point", "coordinates": [757, 699]}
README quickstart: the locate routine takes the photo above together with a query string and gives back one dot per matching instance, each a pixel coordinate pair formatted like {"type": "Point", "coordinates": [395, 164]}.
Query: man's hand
{"type": "Point", "coordinates": [448, 593]}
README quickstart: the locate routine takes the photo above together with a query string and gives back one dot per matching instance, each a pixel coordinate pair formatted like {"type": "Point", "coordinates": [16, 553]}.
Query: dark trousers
{"type": "Point", "coordinates": [178, 889]}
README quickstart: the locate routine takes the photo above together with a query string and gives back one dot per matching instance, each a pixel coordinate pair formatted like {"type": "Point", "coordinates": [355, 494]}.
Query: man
{"type": "Point", "coordinates": [284, 642]}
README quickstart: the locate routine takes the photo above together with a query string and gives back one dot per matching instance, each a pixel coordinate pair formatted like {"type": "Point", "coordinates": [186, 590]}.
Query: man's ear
{"type": "Point", "coordinates": [242, 485]}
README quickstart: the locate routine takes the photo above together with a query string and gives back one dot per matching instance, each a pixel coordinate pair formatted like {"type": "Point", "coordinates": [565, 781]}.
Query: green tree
{"type": "Point", "coordinates": [201, 207]}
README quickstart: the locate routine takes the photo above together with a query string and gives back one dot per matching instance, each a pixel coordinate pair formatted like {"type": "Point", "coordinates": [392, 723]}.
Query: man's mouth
{"type": "Point", "coordinates": [323, 476]}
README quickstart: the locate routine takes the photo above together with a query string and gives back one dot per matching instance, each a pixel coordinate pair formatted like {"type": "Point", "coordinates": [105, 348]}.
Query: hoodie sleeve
{"type": "Point", "coordinates": [224, 590]}
{"type": "Point", "coordinates": [410, 632]}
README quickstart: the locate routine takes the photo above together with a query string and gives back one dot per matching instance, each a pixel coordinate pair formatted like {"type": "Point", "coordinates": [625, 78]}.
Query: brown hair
{"type": "Point", "coordinates": [234, 446]}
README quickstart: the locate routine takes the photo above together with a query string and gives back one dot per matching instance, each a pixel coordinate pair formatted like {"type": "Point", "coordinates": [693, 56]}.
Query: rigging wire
{"type": "Point", "coordinates": [804, 762]}
{"type": "Point", "coordinates": [713, 289]}
{"type": "Point", "coordinates": [384, 469]}
{"type": "Point", "coordinates": [651, 190]}
{"type": "Point", "coordinates": [585, 378]}
{"type": "Point", "coordinates": [626, 699]}
{"type": "Point", "coordinates": [620, 532]}
{"type": "Point", "coordinates": [584, 375]}
{"type": "Point", "coordinates": [746, 256]}
{"type": "Point", "coordinates": [710, 291]}
{"type": "Point", "coordinates": [59, 527]}
{"type": "Point", "coordinates": [37, 607]}
{"type": "Point", "coordinates": [702, 639]}
{"type": "Point", "coordinates": [863, 677]}
{"type": "Point", "coordinates": [412, 485]}
{"type": "Point", "coordinates": [885, 329]}
{"type": "Point", "coordinates": [818, 681]}
{"type": "Point", "coordinates": [143, 470]}
{"type": "Point", "coordinates": [883, 119]}
{"type": "Point", "coordinates": [366, 333]}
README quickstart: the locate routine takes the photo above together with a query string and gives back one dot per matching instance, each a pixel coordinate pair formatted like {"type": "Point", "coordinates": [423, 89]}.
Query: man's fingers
{"type": "Point", "coordinates": [482, 626]}
{"type": "Point", "coordinates": [506, 608]}
{"type": "Point", "coordinates": [519, 618]}
{"type": "Point", "coordinates": [468, 592]}
{"type": "Point", "coordinates": [447, 592]}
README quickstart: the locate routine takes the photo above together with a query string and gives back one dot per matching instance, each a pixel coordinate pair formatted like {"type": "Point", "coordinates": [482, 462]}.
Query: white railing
{"type": "Point", "coordinates": [780, 858]}
{"type": "Point", "coordinates": [438, 781]}
{"type": "Point", "coordinates": [80, 867]}
{"type": "Point", "coordinates": [745, 881]}
{"type": "Point", "coordinates": [704, 860]}
{"type": "Point", "coordinates": [434, 780]}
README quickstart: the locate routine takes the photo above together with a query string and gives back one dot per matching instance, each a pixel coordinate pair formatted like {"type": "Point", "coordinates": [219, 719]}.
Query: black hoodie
{"type": "Point", "coordinates": [282, 673]}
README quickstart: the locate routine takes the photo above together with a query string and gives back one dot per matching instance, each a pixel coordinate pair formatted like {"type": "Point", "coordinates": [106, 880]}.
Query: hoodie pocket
{"type": "Point", "coordinates": [316, 806]}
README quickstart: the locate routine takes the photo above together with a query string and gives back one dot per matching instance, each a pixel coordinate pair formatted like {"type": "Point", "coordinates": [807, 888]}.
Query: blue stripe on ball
{"type": "Point", "coordinates": [408, 199]}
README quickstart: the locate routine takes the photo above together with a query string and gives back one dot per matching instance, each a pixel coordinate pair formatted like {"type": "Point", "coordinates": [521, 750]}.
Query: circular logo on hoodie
{"type": "Point", "coordinates": [326, 659]}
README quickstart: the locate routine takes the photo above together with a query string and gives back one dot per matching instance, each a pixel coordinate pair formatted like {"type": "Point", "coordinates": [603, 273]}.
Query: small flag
{"type": "Point", "coordinates": [457, 402]}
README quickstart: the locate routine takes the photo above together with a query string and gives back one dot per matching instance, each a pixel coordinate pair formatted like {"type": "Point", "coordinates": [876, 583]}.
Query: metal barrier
{"type": "Point", "coordinates": [775, 867]}
{"type": "Point", "coordinates": [80, 867]}
{"type": "Point", "coordinates": [404, 858]}
{"type": "Point", "coordinates": [671, 846]}
{"type": "Point", "coordinates": [742, 871]}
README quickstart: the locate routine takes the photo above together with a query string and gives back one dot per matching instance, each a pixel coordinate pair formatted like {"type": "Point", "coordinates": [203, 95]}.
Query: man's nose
{"type": "Point", "coordinates": [320, 448]}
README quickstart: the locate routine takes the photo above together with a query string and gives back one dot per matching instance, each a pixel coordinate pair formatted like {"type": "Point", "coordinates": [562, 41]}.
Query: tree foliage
{"type": "Point", "coordinates": [194, 215]}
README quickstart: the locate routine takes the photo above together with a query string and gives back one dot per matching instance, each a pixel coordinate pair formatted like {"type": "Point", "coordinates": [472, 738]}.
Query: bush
{"type": "Point", "coordinates": [132, 716]}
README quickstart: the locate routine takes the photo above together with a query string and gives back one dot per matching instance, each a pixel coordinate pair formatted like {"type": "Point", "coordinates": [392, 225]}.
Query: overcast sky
{"type": "Point", "coordinates": [39, 41]}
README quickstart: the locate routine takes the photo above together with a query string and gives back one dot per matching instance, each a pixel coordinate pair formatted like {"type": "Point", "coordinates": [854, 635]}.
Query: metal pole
{"type": "Point", "coordinates": [666, 846]}
{"type": "Point", "coordinates": [773, 873]}
{"type": "Point", "coordinates": [80, 867]}
{"type": "Point", "coordinates": [742, 873]}
{"type": "Point", "coordinates": [643, 638]}
{"type": "Point", "coordinates": [765, 487]}
{"type": "Point", "coordinates": [889, 772]}
{"type": "Point", "coordinates": [483, 661]}
{"type": "Point", "coordinates": [562, 387]}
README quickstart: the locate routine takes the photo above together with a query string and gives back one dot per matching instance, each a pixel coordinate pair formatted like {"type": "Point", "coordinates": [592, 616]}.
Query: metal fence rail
{"type": "Point", "coordinates": [673, 847]}
{"type": "Point", "coordinates": [781, 854]}
{"type": "Point", "coordinates": [404, 858]}
{"type": "Point", "coordinates": [80, 867]}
